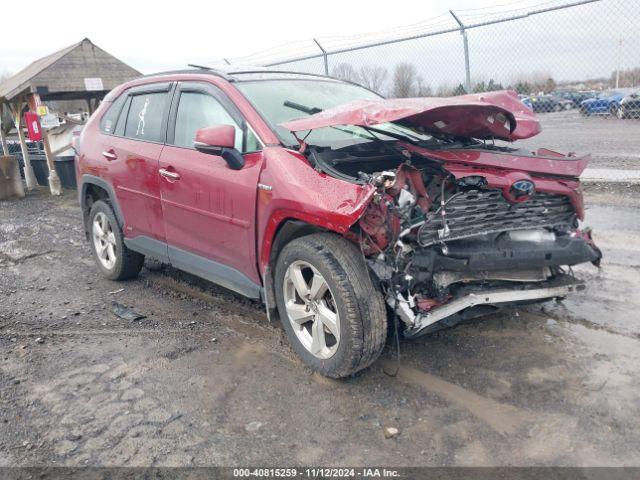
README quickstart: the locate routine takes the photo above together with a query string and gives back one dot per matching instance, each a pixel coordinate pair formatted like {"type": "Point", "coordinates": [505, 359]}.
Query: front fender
{"type": "Point", "coordinates": [293, 190]}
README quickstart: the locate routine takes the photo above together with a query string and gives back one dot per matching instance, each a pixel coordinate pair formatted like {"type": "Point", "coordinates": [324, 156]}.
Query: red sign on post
{"type": "Point", "coordinates": [33, 126]}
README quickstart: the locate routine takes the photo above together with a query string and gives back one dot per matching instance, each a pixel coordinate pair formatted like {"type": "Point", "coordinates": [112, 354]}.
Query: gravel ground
{"type": "Point", "coordinates": [204, 379]}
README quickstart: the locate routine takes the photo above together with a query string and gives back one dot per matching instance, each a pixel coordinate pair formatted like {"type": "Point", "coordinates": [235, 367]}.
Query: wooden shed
{"type": "Point", "coordinates": [80, 72]}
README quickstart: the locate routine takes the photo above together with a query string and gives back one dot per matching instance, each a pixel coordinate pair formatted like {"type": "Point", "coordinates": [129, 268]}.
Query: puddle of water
{"type": "Point", "coordinates": [622, 347]}
{"type": "Point", "coordinates": [504, 419]}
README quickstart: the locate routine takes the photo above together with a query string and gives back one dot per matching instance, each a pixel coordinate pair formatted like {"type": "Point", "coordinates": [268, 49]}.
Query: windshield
{"type": "Point", "coordinates": [281, 100]}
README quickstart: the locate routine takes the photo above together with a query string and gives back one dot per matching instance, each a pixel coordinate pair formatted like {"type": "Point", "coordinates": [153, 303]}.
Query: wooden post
{"type": "Point", "coordinates": [3, 137]}
{"type": "Point", "coordinates": [29, 176]}
{"type": "Point", "coordinates": [54, 181]}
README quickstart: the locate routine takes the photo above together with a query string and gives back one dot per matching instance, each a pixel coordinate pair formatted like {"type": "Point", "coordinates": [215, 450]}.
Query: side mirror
{"type": "Point", "coordinates": [220, 140]}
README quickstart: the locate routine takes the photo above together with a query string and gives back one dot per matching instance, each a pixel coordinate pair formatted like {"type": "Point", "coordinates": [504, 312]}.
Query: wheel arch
{"type": "Point", "coordinates": [92, 189]}
{"type": "Point", "coordinates": [287, 230]}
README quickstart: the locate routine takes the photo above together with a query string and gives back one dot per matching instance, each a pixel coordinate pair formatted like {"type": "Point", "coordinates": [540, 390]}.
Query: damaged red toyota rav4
{"type": "Point", "coordinates": [338, 209]}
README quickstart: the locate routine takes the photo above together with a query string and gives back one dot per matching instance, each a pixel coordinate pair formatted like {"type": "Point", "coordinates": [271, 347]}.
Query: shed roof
{"type": "Point", "coordinates": [65, 70]}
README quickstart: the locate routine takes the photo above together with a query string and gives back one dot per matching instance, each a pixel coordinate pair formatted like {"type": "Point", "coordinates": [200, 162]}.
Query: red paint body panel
{"type": "Point", "coordinates": [217, 136]}
{"type": "Point", "coordinates": [133, 176]}
{"type": "Point", "coordinates": [487, 115]}
{"type": "Point", "coordinates": [564, 166]}
{"type": "Point", "coordinates": [302, 193]}
{"type": "Point", "coordinates": [210, 210]}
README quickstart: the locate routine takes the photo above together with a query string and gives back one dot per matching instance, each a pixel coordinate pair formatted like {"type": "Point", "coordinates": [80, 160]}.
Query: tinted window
{"type": "Point", "coordinates": [144, 121]}
{"type": "Point", "coordinates": [109, 119]}
{"type": "Point", "coordinates": [197, 110]}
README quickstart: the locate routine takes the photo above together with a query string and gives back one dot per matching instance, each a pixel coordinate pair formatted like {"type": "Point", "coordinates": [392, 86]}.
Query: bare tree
{"type": "Point", "coordinates": [627, 78]}
{"type": "Point", "coordinates": [404, 80]}
{"type": "Point", "coordinates": [345, 71]}
{"type": "Point", "coordinates": [534, 82]}
{"type": "Point", "coordinates": [373, 77]}
{"type": "Point", "coordinates": [445, 90]}
{"type": "Point", "coordinates": [423, 89]}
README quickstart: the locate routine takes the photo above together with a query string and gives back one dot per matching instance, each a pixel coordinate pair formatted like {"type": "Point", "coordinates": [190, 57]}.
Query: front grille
{"type": "Point", "coordinates": [478, 212]}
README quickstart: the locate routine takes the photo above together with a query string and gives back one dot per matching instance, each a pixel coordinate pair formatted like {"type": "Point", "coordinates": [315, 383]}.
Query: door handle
{"type": "Point", "coordinates": [169, 174]}
{"type": "Point", "coordinates": [109, 154]}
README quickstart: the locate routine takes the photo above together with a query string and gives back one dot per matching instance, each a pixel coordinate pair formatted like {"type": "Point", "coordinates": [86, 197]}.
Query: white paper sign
{"type": "Point", "coordinates": [93, 84]}
{"type": "Point", "coordinates": [49, 121]}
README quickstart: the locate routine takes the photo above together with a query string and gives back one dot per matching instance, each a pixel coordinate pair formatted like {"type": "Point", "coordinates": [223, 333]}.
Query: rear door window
{"type": "Point", "coordinates": [145, 117]}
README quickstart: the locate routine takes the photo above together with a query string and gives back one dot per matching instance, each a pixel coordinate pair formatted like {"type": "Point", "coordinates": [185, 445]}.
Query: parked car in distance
{"type": "Point", "coordinates": [576, 97]}
{"type": "Point", "coordinates": [630, 106]}
{"type": "Point", "coordinates": [326, 202]}
{"type": "Point", "coordinates": [526, 101]}
{"type": "Point", "coordinates": [550, 103]}
{"type": "Point", "coordinates": [605, 103]}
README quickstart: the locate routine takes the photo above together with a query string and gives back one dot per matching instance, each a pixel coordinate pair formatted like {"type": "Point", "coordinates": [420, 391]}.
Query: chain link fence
{"type": "Point", "coordinates": [577, 64]}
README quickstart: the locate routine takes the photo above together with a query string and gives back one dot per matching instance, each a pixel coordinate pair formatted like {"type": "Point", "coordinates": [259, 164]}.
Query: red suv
{"type": "Point", "coordinates": [335, 207]}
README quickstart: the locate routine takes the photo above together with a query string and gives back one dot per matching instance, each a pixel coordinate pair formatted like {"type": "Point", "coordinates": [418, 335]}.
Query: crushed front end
{"type": "Point", "coordinates": [451, 244]}
{"type": "Point", "coordinates": [458, 224]}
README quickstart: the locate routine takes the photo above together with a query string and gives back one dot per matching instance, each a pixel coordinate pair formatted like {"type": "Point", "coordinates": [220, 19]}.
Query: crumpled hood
{"type": "Point", "coordinates": [485, 115]}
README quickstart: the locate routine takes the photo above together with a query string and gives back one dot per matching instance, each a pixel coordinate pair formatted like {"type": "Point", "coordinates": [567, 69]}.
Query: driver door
{"type": "Point", "coordinates": [208, 208]}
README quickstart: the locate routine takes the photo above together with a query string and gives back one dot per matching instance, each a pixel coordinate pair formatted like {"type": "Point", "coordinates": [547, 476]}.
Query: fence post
{"type": "Point", "coordinates": [465, 41]}
{"type": "Point", "coordinates": [324, 56]}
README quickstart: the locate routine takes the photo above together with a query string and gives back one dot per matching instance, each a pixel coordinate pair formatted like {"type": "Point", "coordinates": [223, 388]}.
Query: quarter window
{"type": "Point", "coordinates": [109, 119]}
{"type": "Point", "coordinates": [144, 121]}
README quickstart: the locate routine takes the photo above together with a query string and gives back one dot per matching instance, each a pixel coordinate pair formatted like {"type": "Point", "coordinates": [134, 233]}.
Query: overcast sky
{"type": "Point", "coordinates": [154, 36]}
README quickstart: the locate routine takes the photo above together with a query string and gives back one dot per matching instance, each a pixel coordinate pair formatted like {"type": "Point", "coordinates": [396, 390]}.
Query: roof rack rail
{"type": "Point", "coordinates": [219, 73]}
{"type": "Point", "coordinates": [289, 72]}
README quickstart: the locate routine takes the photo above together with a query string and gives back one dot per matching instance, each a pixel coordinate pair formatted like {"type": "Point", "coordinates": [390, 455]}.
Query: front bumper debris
{"type": "Point", "coordinates": [547, 290]}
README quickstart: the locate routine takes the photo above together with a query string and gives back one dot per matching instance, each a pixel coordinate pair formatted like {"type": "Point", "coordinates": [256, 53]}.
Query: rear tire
{"type": "Point", "coordinates": [348, 296]}
{"type": "Point", "coordinates": [114, 259]}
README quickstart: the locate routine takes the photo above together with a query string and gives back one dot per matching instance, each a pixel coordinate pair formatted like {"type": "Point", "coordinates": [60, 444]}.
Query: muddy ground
{"type": "Point", "coordinates": [206, 380]}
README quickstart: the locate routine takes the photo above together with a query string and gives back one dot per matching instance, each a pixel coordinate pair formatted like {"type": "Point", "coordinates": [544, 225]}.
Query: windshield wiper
{"type": "Point", "coordinates": [302, 108]}
{"type": "Point", "coordinates": [398, 136]}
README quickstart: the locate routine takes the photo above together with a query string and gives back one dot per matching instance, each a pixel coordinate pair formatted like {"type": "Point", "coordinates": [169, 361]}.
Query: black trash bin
{"type": "Point", "coordinates": [40, 169]}
{"type": "Point", "coordinates": [65, 168]}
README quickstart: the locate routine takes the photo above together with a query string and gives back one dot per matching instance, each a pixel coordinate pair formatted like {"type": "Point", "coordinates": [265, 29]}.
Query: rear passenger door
{"type": "Point", "coordinates": [209, 209]}
{"type": "Point", "coordinates": [131, 151]}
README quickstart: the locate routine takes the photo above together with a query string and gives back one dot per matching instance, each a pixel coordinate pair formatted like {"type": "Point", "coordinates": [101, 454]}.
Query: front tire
{"type": "Point", "coordinates": [333, 313]}
{"type": "Point", "coordinates": [614, 108]}
{"type": "Point", "coordinates": [114, 259]}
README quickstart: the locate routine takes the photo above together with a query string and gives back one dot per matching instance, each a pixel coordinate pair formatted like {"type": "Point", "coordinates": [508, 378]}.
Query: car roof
{"type": "Point", "coordinates": [244, 73]}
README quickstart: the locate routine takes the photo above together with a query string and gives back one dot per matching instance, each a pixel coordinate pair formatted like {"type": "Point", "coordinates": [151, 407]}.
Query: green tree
{"type": "Point", "coordinates": [493, 86]}
{"type": "Point", "coordinates": [459, 90]}
{"type": "Point", "coordinates": [479, 87]}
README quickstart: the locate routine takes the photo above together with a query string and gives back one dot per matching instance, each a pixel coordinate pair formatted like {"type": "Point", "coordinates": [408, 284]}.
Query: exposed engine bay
{"type": "Point", "coordinates": [447, 247]}
{"type": "Point", "coordinates": [457, 225]}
